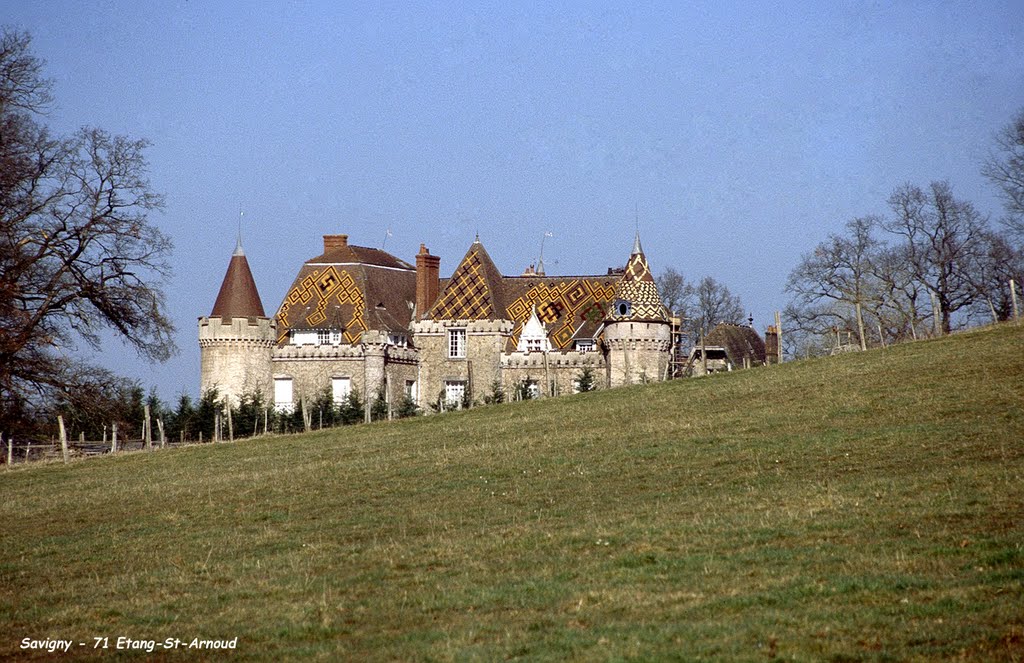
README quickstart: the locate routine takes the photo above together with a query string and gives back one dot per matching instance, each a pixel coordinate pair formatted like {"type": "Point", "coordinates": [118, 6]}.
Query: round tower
{"type": "Point", "coordinates": [637, 332]}
{"type": "Point", "coordinates": [236, 341]}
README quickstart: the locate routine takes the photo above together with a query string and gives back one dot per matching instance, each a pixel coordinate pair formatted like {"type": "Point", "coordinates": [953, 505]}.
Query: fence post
{"type": "Point", "coordinates": [10, 451]}
{"type": "Point", "coordinates": [63, 437]}
{"type": "Point", "coordinates": [231, 426]}
{"type": "Point", "coordinates": [104, 435]}
{"type": "Point", "coordinates": [147, 427]}
{"type": "Point", "coordinates": [160, 427]}
{"type": "Point", "coordinates": [1013, 298]}
{"type": "Point", "coordinates": [113, 437]}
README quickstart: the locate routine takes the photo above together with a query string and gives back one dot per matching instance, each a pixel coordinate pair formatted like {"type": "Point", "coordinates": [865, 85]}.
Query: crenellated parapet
{"type": "Point", "coordinates": [216, 329]}
{"type": "Point", "coordinates": [550, 360]}
{"type": "Point", "coordinates": [438, 327]}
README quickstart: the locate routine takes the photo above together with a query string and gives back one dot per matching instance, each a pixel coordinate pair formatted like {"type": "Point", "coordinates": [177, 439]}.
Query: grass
{"type": "Point", "coordinates": [860, 508]}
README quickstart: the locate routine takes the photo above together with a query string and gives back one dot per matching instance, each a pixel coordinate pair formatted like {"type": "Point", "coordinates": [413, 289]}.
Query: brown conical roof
{"type": "Point", "coordinates": [238, 297]}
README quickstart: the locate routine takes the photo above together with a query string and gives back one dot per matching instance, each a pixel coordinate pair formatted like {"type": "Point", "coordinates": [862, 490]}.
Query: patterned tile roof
{"type": "Point", "coordinates": [571, 307]}
{"type": "Point", "coordinates": [352, 288]}
{"type": "Point", "coordinates": [639, 291]}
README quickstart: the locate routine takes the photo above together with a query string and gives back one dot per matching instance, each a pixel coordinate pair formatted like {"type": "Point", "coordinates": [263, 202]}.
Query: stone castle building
{"type": "Point", "coordinates": [360, 319]}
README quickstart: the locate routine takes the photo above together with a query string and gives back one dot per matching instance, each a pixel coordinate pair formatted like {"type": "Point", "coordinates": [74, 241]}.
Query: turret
{"type": "Point", "coordinates": [637, 334]}
{"type": "Point", "coordinates": [237, 339]}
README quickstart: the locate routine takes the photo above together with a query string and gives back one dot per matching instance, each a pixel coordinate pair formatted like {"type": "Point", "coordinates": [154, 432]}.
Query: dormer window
{"type": "Point", "coordinates": [623, 308]}
{"type": "Point", "coordinates": [323, 337]}
{"type": "Point", "coordinates": [534, 345]}
{"type": "Point", "coordinates": [585, 345]}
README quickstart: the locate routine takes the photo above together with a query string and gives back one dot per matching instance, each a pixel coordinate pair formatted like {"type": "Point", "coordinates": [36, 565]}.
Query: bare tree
{"type": "Point", "coordinates": [943, 238]}
{"type": "Point", "coordinates": [997, 262]}
{"type": "Point", "coordinates": [713, 304]}
{"type": "Point", "coordinates": [77, 251]}
{"type": "Point", "coordinates": [838, 271]}
{"type": "Point", "coordinates": [902, 304]}
{"type": "Point", "coordinates": [1004, 167]}
{"type": "Point", "coordinates": [676, 292]}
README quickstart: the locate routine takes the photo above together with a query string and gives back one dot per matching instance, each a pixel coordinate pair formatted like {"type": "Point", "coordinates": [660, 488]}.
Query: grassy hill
{"type": "Point", "coordinates": [863, 507]}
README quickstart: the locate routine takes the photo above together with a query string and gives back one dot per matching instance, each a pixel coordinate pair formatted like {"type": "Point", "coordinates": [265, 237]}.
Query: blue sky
{"type": "Point", "coordinates": [740, 134]}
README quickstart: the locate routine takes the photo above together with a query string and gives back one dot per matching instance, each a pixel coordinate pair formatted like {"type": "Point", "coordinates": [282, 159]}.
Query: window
{"type": "Point", "coordinates": [533, 345]}
{"type": "Point", "coordinates": [283, 395]}
{"type": "Point", "coordinates": [622, 307]}
{"type": "Point", "coordinates": [533, 388]}
{"type": "Point", "coordinates": [335, 336]}
{"type": "Point", "coordinates": [340, 389]}
{"type": "Point", "coordinates": [410, 389]}
{"type": "Point", "coordinates": [454, 392]}
{"type": "Point", "coordinates": [302, 337]}
{"type": "Point", "coordinates": [585, 345]}
{"type": "Point", "coordinates": [323, 337]}
{"type": "Point", "coordinates": [457, 343]}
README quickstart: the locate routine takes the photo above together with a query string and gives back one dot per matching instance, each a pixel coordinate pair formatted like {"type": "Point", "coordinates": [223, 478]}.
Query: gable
{"type": "Point", "coordinates": [472, 293]}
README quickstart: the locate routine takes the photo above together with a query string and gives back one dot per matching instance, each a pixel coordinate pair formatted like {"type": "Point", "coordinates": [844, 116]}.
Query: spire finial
{"type": "Point", "coordinates": [636, 244]}
{"type": "Point", "coordinates": [636, 241]}
{"type": "Point", "coordinates": [239, 251]}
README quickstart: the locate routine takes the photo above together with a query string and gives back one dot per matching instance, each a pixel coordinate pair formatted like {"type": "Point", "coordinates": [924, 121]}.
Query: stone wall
{"type": "Point", "coordinates": [554, 372]}
{"type": "Point", "coordinates": [235, 355]}
{"type": "Point", "coordinates": [485, 342]}
{"type": "Point", "coordinates": [637, 352]}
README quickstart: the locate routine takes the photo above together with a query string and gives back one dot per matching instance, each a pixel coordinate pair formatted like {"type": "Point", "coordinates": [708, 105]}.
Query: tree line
{"type": "Point", "coordinates": [932, 264]}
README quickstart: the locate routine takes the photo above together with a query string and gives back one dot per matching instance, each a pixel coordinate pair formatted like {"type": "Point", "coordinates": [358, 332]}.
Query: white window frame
{"type": "Point", "coordinates": [585, 345]}
{"type": "Point", "coordinates": [284, 395]}
{"type": "Point", "coordinates": [323, 336]}
{"type": "Point", "coordinates": [341, 387]}
{"type": "Point", "coordinates": [454, 393]}
{"type": "Point", "coordinates": [411, 390]}
{"type": "Point", "coordinates": [457, 343]}
{"type": "Point", "coordinates": [335, 337]}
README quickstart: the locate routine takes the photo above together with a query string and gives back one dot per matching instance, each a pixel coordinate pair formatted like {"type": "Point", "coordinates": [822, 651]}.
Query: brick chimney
{"type": "Point", "coordinates": [332, 242]}
{"type": "Point", "coordinates": [427, 280]}
{"type": "Point", "coordinates": [771, 345]}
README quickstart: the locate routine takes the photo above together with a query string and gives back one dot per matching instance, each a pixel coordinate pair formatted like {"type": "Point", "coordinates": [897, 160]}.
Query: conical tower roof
{"type": "Point", "coordinates": [636, 293]}
{"type": "Point", "coordinates": [238, 297]}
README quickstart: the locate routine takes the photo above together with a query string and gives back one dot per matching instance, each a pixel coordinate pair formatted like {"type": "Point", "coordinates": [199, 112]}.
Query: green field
{"type": "Point", "coordinates": [863, 507]}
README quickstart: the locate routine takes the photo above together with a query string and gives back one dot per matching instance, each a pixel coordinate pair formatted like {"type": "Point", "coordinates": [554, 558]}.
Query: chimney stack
{"type": "Point", "coordinates": [332, 242]}
{"type": "Point", "coordinates": [428, 269]}
{"type": "Point", "coordinates": [771, 345]}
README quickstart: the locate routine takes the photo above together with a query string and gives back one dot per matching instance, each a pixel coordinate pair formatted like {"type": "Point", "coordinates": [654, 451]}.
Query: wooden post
{"type": "Point", "coordinates": [778, 330]}
{"type": "Point", "coordinates": [181, 436]}
{"type": "Point", "coordinates": [881, 338]}
{"type": "Point", "coordinates": [307, 421]}
{"type": "Point", "coordinates": [266, 419]}
{"type": "Point", "coordinates": [10, 451]}
{"type": "Point", "coordinates": [1013, 298]}
{"type": "Point", "coordinates": [28, 448]}
{"type": "Point", "coordinates": [147, 433]}
{"type": "Point", "coordinates": [231, 426]}
{"type": "Point", "coordinates": [216, 427]}
{"type": "Point", "coordinates": [81, 437]}
{"type": "Point", "coordinates": [936, 324]}
{"type": "Point", "coordinates": [104, 435]}
{"type": "Point", "coordinates": [200, 437]}
{"type": "Point", "coordinates": [703, 355]}
{"type": "Point", "coordinates": [63, 437]}
{"type": "Point", "coordinates": [160, 427]}
{"type": "Point", "coordinates": [113, 437]}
